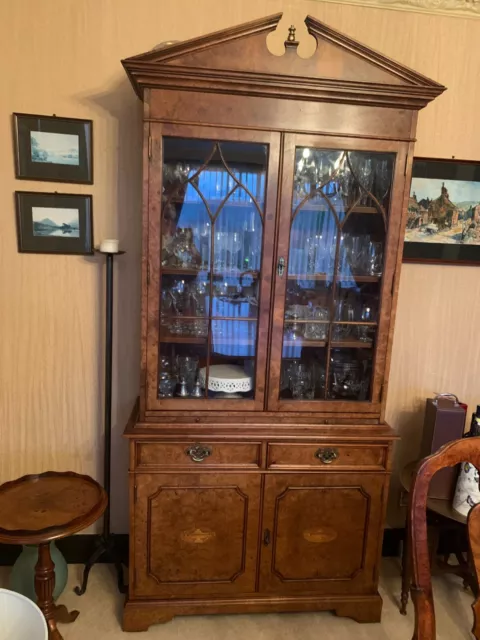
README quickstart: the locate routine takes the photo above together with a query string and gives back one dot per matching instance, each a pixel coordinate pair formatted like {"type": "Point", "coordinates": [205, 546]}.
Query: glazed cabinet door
{"type": "Point", "coordinates": [321, 533]}
{"type": "Point", "coordinates": [195, 534]}
{"type": "Point", "coordinates": [341, 211]}
{"type": "Point", "coordinates": [211, 228]}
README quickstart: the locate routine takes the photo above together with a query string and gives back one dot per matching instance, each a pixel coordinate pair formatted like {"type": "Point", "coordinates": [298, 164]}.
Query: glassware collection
{"type": "Point", "coordinates": [335, 268]}
{"type": "Point", "coordinates": [211, 258]}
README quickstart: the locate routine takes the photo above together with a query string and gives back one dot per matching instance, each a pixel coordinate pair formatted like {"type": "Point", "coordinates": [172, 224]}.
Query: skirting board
{"type": "Point", "coordinates": [77, 549]}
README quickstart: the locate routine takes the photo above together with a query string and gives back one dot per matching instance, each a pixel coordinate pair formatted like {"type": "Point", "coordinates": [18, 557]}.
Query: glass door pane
{"type": "Point", "coordinates": [213, 206]}
{"type": "Point", "coordinates": [338, 231]}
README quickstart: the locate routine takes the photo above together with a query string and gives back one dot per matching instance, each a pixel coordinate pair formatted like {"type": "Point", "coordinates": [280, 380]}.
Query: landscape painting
{"type": "Point", "coordinates": [53, 149]}
{"type": "Point", "coordinates": [54, 222]}
{"type": "Point", "coordinates": [443, 211]}
{"type": "Point", "coordinates": [59, 148]}
{"type": "Point", "coordinates": [443, 216]}
{"type": "Point", "coordinates": [48, 221]}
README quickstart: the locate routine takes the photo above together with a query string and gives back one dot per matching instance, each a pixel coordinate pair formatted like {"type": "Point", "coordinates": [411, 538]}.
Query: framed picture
{"type": "Point", "coordinates": [443, 223]}
{"type": "Point", "coordinates": [53, 149]}
{"type": "Point", "coordinates": [54, 222]}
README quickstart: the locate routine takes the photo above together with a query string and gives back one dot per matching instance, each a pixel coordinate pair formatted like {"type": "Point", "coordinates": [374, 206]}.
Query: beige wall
{"type": "Point", "coordinates": [62, 56]}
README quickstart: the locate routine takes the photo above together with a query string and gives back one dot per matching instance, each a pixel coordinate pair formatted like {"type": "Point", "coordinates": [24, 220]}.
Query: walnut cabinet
{"type": "Point", "coordinates": [274, 191]}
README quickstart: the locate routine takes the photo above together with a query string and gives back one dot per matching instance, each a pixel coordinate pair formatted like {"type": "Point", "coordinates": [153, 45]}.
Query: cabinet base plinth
{"type": "Point", "coordinates": [139, 615]}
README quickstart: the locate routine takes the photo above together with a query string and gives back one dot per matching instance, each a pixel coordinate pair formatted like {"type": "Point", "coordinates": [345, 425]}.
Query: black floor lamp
{"type": "Point", "coordinates": [106, 544]}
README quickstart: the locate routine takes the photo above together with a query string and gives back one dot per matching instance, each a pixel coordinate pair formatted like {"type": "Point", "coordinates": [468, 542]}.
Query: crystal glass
{"type": "Point", "coordinates": [165, 303]}
{"type": "Point", "coordinates": [317, 330]}
{"type": "Point", "coordinates": [166, 384]}
{"type": "Point", "coordinates": [361, 165]}
{"type": "Point", "coordinates": [366, 315]}
{"type": "Point", "coordinates": [198, 291]}
{"type": "Point", "coordinates": [187, 367]}
{"type": "Point", "coordinates": [301, 382]}
{"type": "Point", "coordinates": [295, 330]}
{"type": "Point", "coordinates": [375, 258]}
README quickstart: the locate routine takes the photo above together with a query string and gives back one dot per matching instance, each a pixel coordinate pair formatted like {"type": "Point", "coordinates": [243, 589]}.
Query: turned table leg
{"type": "Point", "coordinates": [406, 573]}
{"type": "Point", "coordinates": [44, 586]}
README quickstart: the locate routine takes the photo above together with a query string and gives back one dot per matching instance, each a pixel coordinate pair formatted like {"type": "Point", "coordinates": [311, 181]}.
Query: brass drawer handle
{"type": "Point", "coordinates": [327, 456]}
{"type": "Point", "coordinates": [198, 452]}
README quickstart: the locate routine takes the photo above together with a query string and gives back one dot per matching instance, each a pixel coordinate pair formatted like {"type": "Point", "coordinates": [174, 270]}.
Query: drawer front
{"type": "Point", "coordinates": [197, 454]}
{"type": "Point", "coordinates": [317, 456]}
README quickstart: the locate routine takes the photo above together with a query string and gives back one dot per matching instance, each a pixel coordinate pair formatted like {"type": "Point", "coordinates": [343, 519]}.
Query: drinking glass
{"type": "Point", "coordinates": [179, 295]}
{"type": "Point", "coordinates": [345, 182]}
{"type": "Point", "coordinates": [205, 236]}
{"type": "Point", "coordinates": [311, 244]}
{"type": "Point", "coordinates": [346, 313]}
{"type": "Point", "coordinates": [301, 383]}
{"type": "Point", "coordinates": [366, 315]}
{"type": "Point", "coordinates": [383, 175]}
{"type": "Point", "coordinates": [166, 302]}
{"type": "Point", "coordinates": [235, 243]}
{"type": "Point", "coordinates": [295, 329]}
{"type": "Point", "coordinates": [166, 384]}
{"type": "Point", "coordinates": [362, 167]}
{"type": "Point", "coordinates": [200, 328]}
{"type": "Point", "coordinates": [356, 248]}
{"type": "Point", "coordinates": [220, 259]}
{"type": "Point", "coordinates": [198, 293]}
{"type": "Point", "coordinates": [317, 330]}
{"type": "Point", "coordinates": [375, 258]}
{"type": "Point", "coordinates": [165, 363]}
{"type": "Point", "coordinates": [187, 368]}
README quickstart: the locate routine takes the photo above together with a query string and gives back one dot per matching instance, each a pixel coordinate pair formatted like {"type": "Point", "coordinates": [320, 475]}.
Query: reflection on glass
{"type": "Point", "coordinates": [213, 198]}
{"type": "Point", "coordinates": [338, 230]}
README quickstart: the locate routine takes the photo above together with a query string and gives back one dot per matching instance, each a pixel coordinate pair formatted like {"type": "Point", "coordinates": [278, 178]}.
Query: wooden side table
{"type": "Point", "coordinates": [37, 509]}
{"type": "Point", "coordinates": [441, 516]}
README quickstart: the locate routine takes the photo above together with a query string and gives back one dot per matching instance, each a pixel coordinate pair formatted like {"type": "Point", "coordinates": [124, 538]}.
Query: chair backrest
{"type": "Point", "coordinates": [453, 453]}
{"type": "Point", "coordinates": [20, 618]}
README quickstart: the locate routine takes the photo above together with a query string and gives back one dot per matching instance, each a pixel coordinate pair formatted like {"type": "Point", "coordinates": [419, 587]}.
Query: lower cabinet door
{"type": "Point", "coordinates": [195, 534]}
{"type": "Point", "coordinates": [321, 533]}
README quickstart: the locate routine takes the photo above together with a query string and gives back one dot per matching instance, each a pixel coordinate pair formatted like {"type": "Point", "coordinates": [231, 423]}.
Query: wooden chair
{"type": "Point", "coordinates": [453, 453]}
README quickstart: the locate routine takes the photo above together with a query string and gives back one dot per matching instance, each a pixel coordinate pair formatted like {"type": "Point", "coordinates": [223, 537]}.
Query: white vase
{"type": "Point", "coordinates": [467, 492]}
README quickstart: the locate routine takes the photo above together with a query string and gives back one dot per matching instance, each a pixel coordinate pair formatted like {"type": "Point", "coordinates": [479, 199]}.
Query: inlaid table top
{"type": "Point", "coordinates": [40, 508]}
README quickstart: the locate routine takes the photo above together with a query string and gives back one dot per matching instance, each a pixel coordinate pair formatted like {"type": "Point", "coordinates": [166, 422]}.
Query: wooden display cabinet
{"type": "Point", "coordinates": [275, 189]}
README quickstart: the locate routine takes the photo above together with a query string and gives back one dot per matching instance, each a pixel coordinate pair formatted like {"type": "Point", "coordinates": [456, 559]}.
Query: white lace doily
{"type": "Point", "coordinates": [226, 378]}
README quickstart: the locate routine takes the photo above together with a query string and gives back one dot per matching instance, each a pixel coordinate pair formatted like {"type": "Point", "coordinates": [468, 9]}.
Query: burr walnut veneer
{"type": "Point", "coordinates": [274, 193]}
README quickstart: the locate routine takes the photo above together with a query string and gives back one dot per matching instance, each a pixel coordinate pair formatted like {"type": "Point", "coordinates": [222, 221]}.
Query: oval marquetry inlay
{"type": "Point", "coordinates": [320, 535]}
{"type": "Point", "coordinates": [197, 536]}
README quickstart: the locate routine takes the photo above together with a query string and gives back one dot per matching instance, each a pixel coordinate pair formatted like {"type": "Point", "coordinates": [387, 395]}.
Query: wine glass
{"type": "Point", "coordinates": [366, 315]}
{"type": "Point", "coordinates": [235, 243]}
{"type": "Point", "coordinates": [375, 258]}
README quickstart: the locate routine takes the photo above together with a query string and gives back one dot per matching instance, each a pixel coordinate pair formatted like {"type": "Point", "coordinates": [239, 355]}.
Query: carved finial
{"type": "Point", "coordinates": [291, 42]}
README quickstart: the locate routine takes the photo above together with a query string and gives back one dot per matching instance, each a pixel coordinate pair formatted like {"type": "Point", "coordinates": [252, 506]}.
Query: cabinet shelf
{"type": "Point", "coordinates": [213, 203]}
{"type": "Point", "coordinates": [182, 339]}
{"type": "Point", "coordinates": [172, 318]}
{"type": "Point", "coordinates": [335, 344]}
{"type": "Point", "coordinates": [228, 273]}
{"type": "Point", "coordinates": [351, 344]}
{"type": "Point", "coordinates": [324, 207]}
{"type": "Point", "coordinates": [323, 277]}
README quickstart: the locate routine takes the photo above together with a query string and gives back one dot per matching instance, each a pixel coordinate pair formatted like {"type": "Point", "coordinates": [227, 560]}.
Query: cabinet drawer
{"type": "Point", "coordinates": [197, 454]}
{"type": "Point", "coordinates": [326, 456]}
